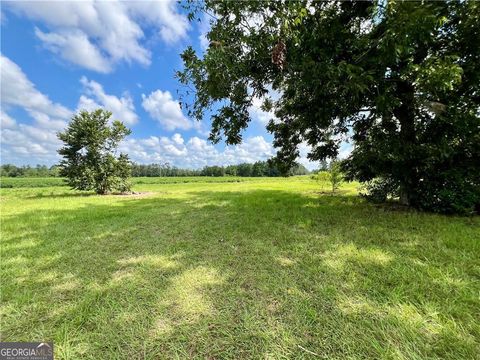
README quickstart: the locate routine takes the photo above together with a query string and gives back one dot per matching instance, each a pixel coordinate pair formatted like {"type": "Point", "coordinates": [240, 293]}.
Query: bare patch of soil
{"type": "Point", "coordinates": [329, 192]}
{"type": "Point", "coordinates": [134, 194]}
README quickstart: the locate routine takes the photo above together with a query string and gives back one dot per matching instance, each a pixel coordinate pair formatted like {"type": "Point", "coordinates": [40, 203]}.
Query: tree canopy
{"type": "Point", "coordinates": [398, 79]}
{"type": "Point", "coordinates": [89, 153]}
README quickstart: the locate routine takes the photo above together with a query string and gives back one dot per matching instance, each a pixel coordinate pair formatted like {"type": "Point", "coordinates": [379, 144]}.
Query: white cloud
{"type": "Point", "coordinates": [177, 139]}
{"type": "Point", "coordinates": [263, 117]}
{"type": "Point", "coordinates": [304, 148]}
{"type": "Point", "coordinates": [196, 152]}
{"type": "Point", "coordinates": [6, 122]}
{"type": "Point", "coordinates": [162, 107]}
{"type": "Point", "coordinates": [250, 150]}
{"type": "Point", "coordinates": [44, 121]}
{"type": "Point", "coordinates": [345, 150]}
{"type": "Point", "coordinates": [74, 46]}
{"type": "Point", "coordinates": [21, 142]}
{"type": "Point", "coordinates": [256, 112]}
{"type": "Point", "coordinates": [162, 14]}
{"type": "Point", "coordinates": [24, 144]}
{"type": "Point", "coordinates": [17, 90]}
{"type": "Point", "coordinates": [122, 108]}
{"type": "Point", "coordinates": [86, 103]}
{"type": "Point", "coordinates": [204, 28]}
{"type": "Point", "coordinates": [98, 34]}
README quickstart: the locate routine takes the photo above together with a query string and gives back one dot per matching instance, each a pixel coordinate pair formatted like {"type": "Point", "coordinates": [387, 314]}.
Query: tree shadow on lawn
{"type": "Point", "coordinates": [252, 274]}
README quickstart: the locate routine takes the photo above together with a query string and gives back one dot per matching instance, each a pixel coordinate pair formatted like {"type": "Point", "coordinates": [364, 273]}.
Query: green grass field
{"type": "Point", "coordinates": [31, 182]}
{"type": "Point", "coordinates": [257, 269]}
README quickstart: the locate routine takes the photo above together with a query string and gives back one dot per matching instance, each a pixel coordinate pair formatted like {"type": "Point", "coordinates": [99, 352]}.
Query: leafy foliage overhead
{"type": "Point", "coordinates": [89, 153]}
{"type": "Point", "coordinates": [398, 79]}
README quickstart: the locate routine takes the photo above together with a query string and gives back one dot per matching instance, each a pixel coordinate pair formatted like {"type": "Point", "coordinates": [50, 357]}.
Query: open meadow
{"type": "Point", "coordinates": [235, 268]}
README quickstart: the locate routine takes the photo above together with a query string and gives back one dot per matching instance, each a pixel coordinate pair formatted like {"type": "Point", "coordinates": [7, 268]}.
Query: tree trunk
{"type": "Point", "coordinates": [405, 113]}
{"type": "Point", "coordinates": [103, 189]}
{"type": "Point", "coordinates": [404, 197]}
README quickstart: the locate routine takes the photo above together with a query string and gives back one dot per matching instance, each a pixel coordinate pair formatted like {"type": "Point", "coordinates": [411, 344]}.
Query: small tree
{"type": "Point", "coordinates": [89, 153]}
{"type": "Point", "coordinates": [336, 176]}
{"type": "Point", "coordinates": [323, 177]}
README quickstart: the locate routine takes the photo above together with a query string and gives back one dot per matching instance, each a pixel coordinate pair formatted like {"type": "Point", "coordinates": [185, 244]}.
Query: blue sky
{"type": "Point", "coordinates": [59, 57]}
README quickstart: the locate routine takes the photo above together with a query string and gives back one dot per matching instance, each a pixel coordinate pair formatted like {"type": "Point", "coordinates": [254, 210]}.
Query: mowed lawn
{"type": "Point", "coordinates": [256, 269]}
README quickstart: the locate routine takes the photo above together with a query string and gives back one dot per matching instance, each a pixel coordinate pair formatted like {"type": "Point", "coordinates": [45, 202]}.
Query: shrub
{"type": "Point", "coordinates": [380, 189]}
{"type": "Point", "coordinates": [438, 193]}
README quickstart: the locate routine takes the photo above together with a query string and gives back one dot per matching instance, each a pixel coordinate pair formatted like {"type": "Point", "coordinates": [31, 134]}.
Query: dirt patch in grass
{"type": "Point", "coordinates": [135, 194]}
{"type": "Point", "coordinates": [329, 192]}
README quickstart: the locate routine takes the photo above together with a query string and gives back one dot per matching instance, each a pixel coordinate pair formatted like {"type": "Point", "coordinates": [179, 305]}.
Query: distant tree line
{"type": "Point", "coordinates": [257, 169]}
{"type": "Point", "coordinates": [164, 169]}
{"type": "Point", "coordinates": [9, 170]}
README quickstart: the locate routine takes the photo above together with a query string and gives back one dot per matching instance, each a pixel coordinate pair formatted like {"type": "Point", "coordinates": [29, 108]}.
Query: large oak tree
{"type": "Point", "coordinates": [399, 80]}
